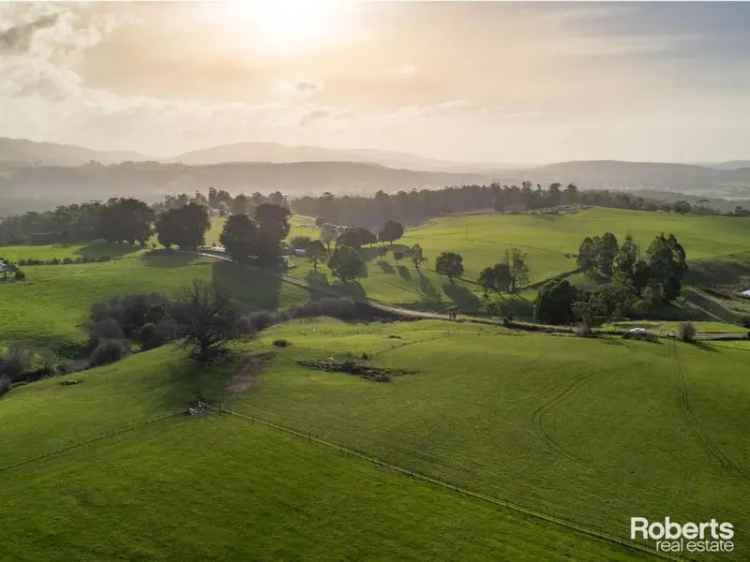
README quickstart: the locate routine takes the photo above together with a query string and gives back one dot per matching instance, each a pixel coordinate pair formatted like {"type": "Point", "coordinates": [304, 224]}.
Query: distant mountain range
{"type": "Point", "coordinates": [26, 152]}
{"type": "Point", "coordinates": [38, 169]}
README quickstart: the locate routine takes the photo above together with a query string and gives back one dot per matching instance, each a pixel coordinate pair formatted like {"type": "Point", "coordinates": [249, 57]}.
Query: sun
{"type": "Point", "coordinates": [288, 25]}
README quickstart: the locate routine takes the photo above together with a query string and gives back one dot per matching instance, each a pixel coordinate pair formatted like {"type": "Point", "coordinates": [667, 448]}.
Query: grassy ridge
{"type": "Point", "coordinates": [590, 430]}
{"type": "Point", "coordinates": [49, 307]}
{"type": "Point", "coordinates": [223, 488]}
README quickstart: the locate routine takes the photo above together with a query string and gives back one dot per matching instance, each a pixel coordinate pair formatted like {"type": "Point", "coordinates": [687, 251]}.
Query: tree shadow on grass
{"type": "Point", "coordinates": [372, 252]}
{"type": "Point", "coordinates": [463, 298]}
{"type": "Point", "coordinates": [351, 289]}
{"type": "Point", "coordinates": [102, 248]}
{"type": "Point", "coordinates": [167, 258]}
{"type": "Point", "coordinates": [386, 267]}
{"type": "Point", "coordinates": [318, 283]}
{"type": "Point", "coordinates": [403, 272]}
{"type": "Point", "coordinates": [253, 288]}
{"type": "Point", "coordinates": [430, 295]}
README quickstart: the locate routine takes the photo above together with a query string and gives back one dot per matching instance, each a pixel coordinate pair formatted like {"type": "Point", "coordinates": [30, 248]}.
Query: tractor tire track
{"type": "Point", "coordinates": [710, 447]}
{"type": "Point", "coordinates": [546, 408]}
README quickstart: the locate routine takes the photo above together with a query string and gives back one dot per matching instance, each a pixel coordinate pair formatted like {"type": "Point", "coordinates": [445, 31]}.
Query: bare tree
{"type": "Point", "coordinates": [208, 319]}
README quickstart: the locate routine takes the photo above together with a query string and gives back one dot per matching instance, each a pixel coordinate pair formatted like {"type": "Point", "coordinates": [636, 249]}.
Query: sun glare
{"type": "Point", "coordinates": [288, 25]}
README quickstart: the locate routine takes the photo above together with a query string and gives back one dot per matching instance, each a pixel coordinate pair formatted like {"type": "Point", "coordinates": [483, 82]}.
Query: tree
{"type": "Point", "coordinates": [356, 237]}
{"type": "Point", "coordinates": [417, 256]}
{"type": "Point", "coordinates": [240, 237]}
{"type": "Point", "coordinates": [450, 264]}
{"type": "Point", "coordinates": [554, 303]}
{"type": "Point", "coordinates": [273, 222]}
{"type": "Point", "coordinates": [391, 232]}
{"type": "Point", "coordinates": [496, 278]}
{"type": "Point", "coordinates": [682, 207]}
{"type": "Point", "coordinates": [606, 250]}
{"type": "Point", "coordinates": [518, 268]}
{"type": "Point", "coordinates": [328, 233]}
{"type": "Point", "coordinates": [626, 259]}
{"type": "Point", "coordinates": [587, 254]}
{"type": "Point", "coordinates": [207, 318]}
{"type": "Point", "coordinates": [185, 226]}
{"type": "Point", "coordinates": [667, 264]}
{"type": "Point", "coordinates": [346, 264]}
{"type": "Point", "coordinates": [316, 251]}
{"type": "Point", "coordinates": [126, 220]}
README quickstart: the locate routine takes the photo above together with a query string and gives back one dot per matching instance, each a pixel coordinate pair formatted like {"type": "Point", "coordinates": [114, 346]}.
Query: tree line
{"type": "Point", "coordinates": [125, 219]}
{"type": "Point", "coordinates": [417, 206]}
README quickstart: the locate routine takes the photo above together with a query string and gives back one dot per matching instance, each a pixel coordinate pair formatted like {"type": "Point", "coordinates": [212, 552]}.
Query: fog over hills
{"type": "Point", "coordinates": [26, 152]}
{"type": "Point", "coordinates": [43, 169]}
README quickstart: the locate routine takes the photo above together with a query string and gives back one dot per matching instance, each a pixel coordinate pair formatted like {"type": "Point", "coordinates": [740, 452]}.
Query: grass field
{"type": "Point", "coordinates": [221, 488]}
{"type": "Point", "coordinates": [551, 242]}
{"type": "Point", "coordinates": [49, 307]}
{"type": "Point", "coordinates": [589, 430]}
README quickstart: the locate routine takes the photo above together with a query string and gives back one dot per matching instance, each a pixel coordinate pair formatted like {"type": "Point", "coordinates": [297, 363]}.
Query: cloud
{"type": "Point", "coordinates": [313, 116]}
{"type": "Point", "coordinates": [18, 38]}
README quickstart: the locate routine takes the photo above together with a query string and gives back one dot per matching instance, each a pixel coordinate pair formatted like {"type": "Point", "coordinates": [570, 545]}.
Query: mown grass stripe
{"type": "Point", "coordinates": [457, 489]}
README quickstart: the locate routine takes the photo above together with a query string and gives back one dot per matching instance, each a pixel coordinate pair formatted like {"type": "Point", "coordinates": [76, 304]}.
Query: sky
{"type": "Point", "coordinates": [485, 82]}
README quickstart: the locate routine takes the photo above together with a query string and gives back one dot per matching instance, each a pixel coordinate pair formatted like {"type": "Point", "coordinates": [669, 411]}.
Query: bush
{"type": "Point", "coordinates": [341, 308]}
{"type": "Point", "coordinates": [256, 322]}
{"type": "Point", "coordinates": [20, 275]}
{"type": "Point", "coordinates": [5, 384]}
{"type": "Point", "coordinates": [15, 362]}
{"type": "Point", "coordinates": [149, 336]}
{"type": "Point", "coordinates": [686, 332]}
{"type": "Point", "coordinates": [281, 343]}
{"type": "Point", "coordinates": [108, 352]}
{"type": "Point", "coordinates": [106, 329]}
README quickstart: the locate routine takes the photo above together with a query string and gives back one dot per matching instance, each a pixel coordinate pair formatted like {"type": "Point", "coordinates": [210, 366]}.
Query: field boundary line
{"type": "Point", "coordinates": [457, 489]}
{"type": "Point", "coordinates": [100, 437]}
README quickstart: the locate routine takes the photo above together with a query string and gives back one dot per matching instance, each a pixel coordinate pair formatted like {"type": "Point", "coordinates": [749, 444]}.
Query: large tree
{"type": "Point", "coordinates": [497, 278]}
{"type": "Point", "coordinates": [207, 319]}
{"type": "Point", "coordinates": [316, 251]}
{"type": "Point", "coordinates": [450, 264]}
{"type": "Point", "coordinates": [667, 264]}
{"type": "Point", "coordinates": [606, 250]}
{"type": "Point", "coordinates": [126, 220]}
{"type": "Point", "coordinates": [391, 232]}
{"type": "Point", "coordinates": [518, 268]}
{"type": "Point", "coordinates": [273, 221]}
{"type": "Point", "coordinates": [185, 226]}
{"type": "Point", "coordinates": [356, 237]}
{"type": "Point", "coordinates": [554, 303]}
{"type": "Point", "coordinates": [240, 237]}
{"type": "Point", "coordinates": [346, 264]}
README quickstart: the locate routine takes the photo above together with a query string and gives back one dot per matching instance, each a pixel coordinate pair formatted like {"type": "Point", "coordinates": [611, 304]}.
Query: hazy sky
{"type": "Point", "coordinates": [494, 82]}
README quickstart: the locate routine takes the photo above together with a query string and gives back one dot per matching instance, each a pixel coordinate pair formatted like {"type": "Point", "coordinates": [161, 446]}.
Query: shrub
{"type": "Point", "coordinates": [149, 336]}
{"type": "Point", "coordinates": [256, 322]}
{"type": "Point", "coordinates": [341, 308]}
{"type": "Point", "coordinates": [108, 352]}
{"type": "Point", "coordinates": [5, 384]}
{"type": "Point", "coordinates": [20, 275]}
{"type": "Point", "coordinates": [686, 332]}
{"type": "Point", "coordinates": [106, 329]}
{"type": "Point", "coordinates": [15, 362]}
{"type": "Point", "coordinates": [281, 343]}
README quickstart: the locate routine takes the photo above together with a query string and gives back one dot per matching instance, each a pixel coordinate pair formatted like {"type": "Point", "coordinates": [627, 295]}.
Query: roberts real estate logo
{"type": "Point", "coordinates": [670, 536]}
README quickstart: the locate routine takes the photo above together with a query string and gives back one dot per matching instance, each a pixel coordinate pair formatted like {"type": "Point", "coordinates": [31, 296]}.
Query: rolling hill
{"type": "Point", "coordinates": [152, 178]}
{"type": "Point", "coordinates": [26, 152]}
